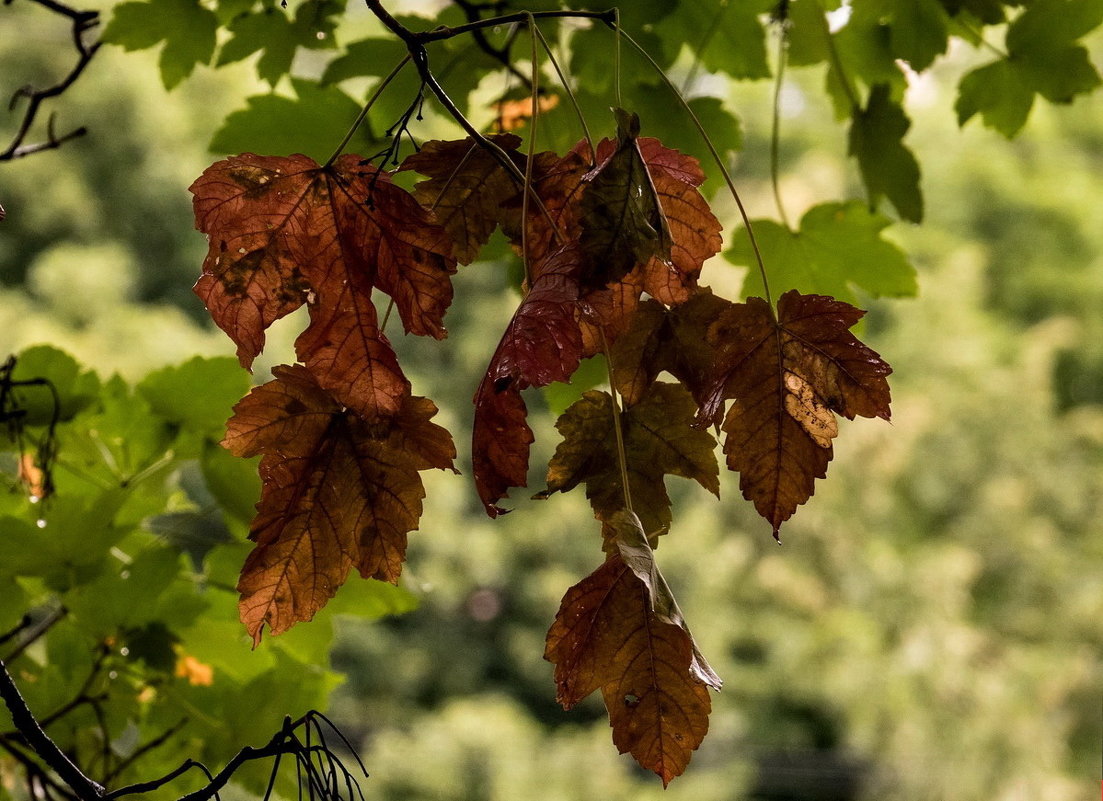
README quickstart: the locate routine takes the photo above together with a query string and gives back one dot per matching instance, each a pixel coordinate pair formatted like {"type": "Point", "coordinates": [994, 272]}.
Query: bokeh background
{"type": "Point", "coordinates": [931, 628]}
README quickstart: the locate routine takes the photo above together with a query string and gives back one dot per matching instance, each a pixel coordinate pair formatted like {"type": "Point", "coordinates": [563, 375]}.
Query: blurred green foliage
{"type": "Point", "coordinates": [931, 625]}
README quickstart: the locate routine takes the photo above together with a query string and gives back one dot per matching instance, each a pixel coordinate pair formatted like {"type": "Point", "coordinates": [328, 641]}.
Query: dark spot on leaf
{"type": "Point", "coordinates": [631, 701]}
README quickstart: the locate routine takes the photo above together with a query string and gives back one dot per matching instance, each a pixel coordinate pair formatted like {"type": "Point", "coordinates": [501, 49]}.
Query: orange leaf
{"type": "Point", "coordinates": [338, 493]}
{"type": "Point", "coordinates": [789, 378]}
{"type": "Point", "coordinates": [512, 114]}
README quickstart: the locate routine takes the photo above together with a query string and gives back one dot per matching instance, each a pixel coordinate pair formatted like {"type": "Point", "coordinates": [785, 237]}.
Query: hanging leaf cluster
{"type": "Point", "coordinates": [613, 239]}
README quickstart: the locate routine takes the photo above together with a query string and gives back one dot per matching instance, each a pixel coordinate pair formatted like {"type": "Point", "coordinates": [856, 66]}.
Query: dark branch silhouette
{"type": "Point", "coordinates": [82, 22]}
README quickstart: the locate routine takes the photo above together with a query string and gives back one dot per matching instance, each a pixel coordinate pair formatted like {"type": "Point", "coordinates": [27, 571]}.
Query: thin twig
{"type": "Point", "coordinates": [473, 13]}
{"type": "Point", "coordinates": [82, 21]}
{"type": "Point", "coordinates": [775, 132]}
{"type": "Point", "coordinates": [716, 157]}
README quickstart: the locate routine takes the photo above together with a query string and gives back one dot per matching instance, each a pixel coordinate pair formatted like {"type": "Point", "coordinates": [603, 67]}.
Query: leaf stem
{"type": "Point", "coordinates": [775, 132]}
{"type": "Point", "coordinates": [567, 86]}
{"type": "Point", "coordinates": [364, 111]}
{"type": "Point", "coordinates": [526, 192]}
{"type": "Point", "coordinates": [979, 35]}
{"type": "Point", "coordinates": [618, 432]}
{"type": "Point", "coordinates": [836, 61]}
{"type": "Point", "coordinates": [719, 162]}
{"type": "Point", "coordinates": [616, 57]}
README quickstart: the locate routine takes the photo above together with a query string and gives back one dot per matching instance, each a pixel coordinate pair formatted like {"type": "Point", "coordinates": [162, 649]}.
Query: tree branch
{"type": "Point", "coordinates": [82, 21]}
{"type": "Point", "coordinates": [83, 787]}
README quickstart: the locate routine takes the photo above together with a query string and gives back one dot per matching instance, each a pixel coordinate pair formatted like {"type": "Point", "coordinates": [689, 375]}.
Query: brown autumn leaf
{"type": "Point", "coordinates": [557, 181]}
{"type": "Point", "coordinates": [673, 340]}
{"type": "Point", "coordinates": [622, 221]}
{"type": "Point", "coordinates": [659, 440]}
{"type": "Point", "coordinates": [616, 631]}
{"type": "Point", "coordinates": [541, 344]}
{"type": "Point", "coordinates": [466, 187]}
{"type": "Point", "coordinates": [284, 230]}
{"type": "Point", "coordinates": [789, 377]}
{"type": "Point", "coordinates": [338, 493]}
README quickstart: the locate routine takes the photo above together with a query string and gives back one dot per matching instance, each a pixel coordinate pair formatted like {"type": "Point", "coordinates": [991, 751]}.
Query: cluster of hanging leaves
{"type": "Point", "coordinates": [613, 240]}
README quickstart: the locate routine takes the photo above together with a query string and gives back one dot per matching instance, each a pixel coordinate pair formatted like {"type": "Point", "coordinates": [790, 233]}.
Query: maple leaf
{"type": "Point", "coordinates": [281, 228]}
{"type": "Point", "coordinates": [622, 221]}
{"type": "Point", "coordinates": [557, 181]}
{"type": "Point", "coordinates": [659, 440]}
{"type": "Point", "coordinates": [466, 187]}
{"type": "Point", "coordinates": [541, 344]}
{"type": "Point", "coordinates": [694, 231]}
{"type": "Point", "coordinates": [620, 630]}
{"type": "Point", "coordinates": [789, 378]}
{"type": "Point", "coordinates": [671, 340]}
{"type": "Point", "coordinates": [338, 492]}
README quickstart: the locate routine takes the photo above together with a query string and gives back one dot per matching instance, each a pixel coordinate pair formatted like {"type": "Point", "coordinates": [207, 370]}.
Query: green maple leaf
{"type": "Point", "coordinates": [888, 168]}
{"type": "Point", "coordinates": [277, 38]}
{"type": "Point", "coordinates": [187, 29]}
{"type": "Point", "coordinates": [1043, 58]}
{"type": "Point", "coordinates": [309, 123]}
{"type": "Point", "coordinates": [838, 245]}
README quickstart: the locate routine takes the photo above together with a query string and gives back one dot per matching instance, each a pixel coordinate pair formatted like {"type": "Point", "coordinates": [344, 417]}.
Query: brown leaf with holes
{"type": "Point", "coordinates": [284, 230]}
{"type": "Point", "coordinates": [789, 377]}
{"type": "Point", "coordinates": [659, 440]}
{"type": "Point", "coordinates": [608, 635]}
{"type": "Point", "coordinates": [466, 187]}
{"type": "Point", "coordinates": [338, 493]}
{"type": "Point", "coordinates": [541, 344]}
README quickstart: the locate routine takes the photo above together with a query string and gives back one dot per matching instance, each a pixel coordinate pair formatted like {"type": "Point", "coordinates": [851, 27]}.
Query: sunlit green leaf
{"type": "Point", "coordinates": [198, 394]}
{"type": "Point", "coordinates": [186, 27]}
{"type": "Point", "coordinates": [277, 38]}
{"type": "Point", "coordinates": [838, 246]}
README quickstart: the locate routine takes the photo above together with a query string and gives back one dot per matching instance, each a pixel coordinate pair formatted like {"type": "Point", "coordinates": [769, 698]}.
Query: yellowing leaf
{"type": "Point", "coordinates": [659, 440]}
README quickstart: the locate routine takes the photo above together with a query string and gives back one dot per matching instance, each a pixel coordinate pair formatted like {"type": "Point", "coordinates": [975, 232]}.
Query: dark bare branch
{"type": "Point", "coordinates": [81, 21]}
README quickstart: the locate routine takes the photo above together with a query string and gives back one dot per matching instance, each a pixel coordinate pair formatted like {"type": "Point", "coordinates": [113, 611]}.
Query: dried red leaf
{"type": "Point", "coordinates": [789, 378]}
{"type": "Point", "coordinates": [500, 443]}
{"type": "Point", "coordinates": [338, 492]}
{"type": "Point", "coordinates": [541, 344]}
